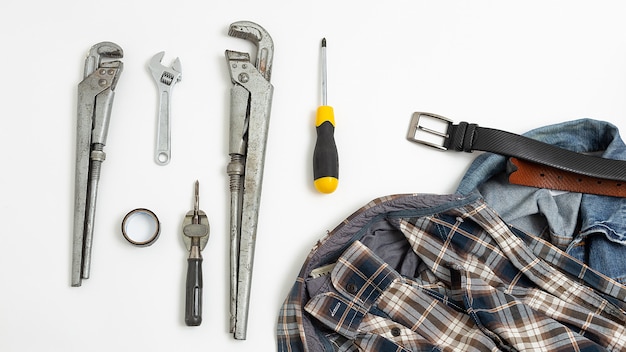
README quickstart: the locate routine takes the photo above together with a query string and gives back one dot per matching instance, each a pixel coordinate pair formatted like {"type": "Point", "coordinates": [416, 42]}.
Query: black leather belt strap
{"type": "Point", "coordinates": [439, 132]}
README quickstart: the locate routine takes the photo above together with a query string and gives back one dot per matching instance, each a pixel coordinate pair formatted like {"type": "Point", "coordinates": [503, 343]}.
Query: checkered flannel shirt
{"type": "Point", "coordinates": [478, 285]}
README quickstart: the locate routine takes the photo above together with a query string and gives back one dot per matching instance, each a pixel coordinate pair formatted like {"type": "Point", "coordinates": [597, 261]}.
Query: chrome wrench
{"type": "Point", "coordinates": [165, 78]}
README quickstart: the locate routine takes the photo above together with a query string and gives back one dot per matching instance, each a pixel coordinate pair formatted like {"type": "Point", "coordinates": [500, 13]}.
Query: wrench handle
{"type": "Point", "coordinates": [162, 154]}
{"type": "Point", "coordinates": [193, 295]}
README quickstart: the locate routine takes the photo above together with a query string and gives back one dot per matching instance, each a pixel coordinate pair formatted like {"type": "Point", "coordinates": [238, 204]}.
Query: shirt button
{"type": "Point", "coordinates": [351, 288]}
{"type": "Point", "coordinates": [395, 332]}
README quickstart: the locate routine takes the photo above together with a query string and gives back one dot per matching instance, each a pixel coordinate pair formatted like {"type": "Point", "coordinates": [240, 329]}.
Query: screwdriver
{"type": "Point", "coordinates": [195, 237]}
{"type": "Point", "coordinates": [325, 158]}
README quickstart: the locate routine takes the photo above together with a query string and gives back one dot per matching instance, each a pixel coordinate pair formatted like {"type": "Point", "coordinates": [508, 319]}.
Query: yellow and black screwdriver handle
{"type": "Point", "coordinates": [325, 157]}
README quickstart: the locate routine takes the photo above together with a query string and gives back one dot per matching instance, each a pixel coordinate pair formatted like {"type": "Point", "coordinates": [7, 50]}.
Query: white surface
{"type": "Point", "coordinates": [514, 66]}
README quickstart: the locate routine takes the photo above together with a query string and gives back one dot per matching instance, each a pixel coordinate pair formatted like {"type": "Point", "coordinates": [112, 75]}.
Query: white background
{"type": "Point", "coordinates": [501, 64]}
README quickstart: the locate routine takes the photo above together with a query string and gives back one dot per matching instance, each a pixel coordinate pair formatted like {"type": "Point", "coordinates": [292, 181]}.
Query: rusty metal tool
{"type": "Point", "coordinates": [95, 99]}
{"type": "Point", "coordinates": [250, 105]}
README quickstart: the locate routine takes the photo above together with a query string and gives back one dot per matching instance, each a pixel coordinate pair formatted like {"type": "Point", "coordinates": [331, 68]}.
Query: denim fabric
{"type": "Point", "coordinates": [589, 227]}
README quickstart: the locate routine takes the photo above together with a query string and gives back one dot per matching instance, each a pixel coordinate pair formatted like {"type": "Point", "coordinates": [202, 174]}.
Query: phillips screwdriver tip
{"type": "Point", "coordinates": [197, 196]}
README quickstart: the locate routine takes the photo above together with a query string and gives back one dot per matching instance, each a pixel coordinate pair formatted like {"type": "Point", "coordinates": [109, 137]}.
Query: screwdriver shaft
{"type": "Point", "coordinates": [324, 74]}
{"type": "Point", "coordinates": [196, 204]}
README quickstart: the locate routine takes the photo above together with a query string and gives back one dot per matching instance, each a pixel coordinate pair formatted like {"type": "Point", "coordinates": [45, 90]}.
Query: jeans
{"type": "Point", "coordinates": [590, 228]}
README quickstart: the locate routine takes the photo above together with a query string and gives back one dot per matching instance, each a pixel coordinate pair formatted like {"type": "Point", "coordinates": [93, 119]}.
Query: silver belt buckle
{"type": "Point", "coordinates": [429, 129]}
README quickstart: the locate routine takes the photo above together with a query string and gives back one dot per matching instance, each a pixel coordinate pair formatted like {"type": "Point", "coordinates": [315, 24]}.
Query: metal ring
{"type": "Point", "coordinates": [152, 238]}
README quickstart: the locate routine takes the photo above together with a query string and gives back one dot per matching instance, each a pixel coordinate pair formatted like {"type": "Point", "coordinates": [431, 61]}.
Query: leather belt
{"type": "Point", "coordinates": [560, 164]}
{"type": "Point", "coordinates": [536, 175]}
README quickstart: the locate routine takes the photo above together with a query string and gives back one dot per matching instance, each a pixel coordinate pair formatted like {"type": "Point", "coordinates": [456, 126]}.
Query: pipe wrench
{"type": "Point", "coordinates": [95, 99]}
{"type": "Point", "coordinates": [250, 105]}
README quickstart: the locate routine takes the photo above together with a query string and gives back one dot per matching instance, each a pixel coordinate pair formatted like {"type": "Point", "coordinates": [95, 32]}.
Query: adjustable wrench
{"type": "Point", "coordinates": [165, 78]}
{"type": "Point", "coordinates": [251, 100]}
{"type": "Point", "coordinates": [95, 99]}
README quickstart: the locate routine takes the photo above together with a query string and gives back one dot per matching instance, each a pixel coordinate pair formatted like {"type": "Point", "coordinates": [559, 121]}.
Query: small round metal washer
{"type": "Point", "coordinates": [131, 238]}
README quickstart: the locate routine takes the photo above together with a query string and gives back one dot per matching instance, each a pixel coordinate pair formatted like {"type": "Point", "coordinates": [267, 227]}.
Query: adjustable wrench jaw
{"type": "Point", "coordinates": [95, 99]}
{"type": "Point", "coordinates": [165, 76]}
{"type": "Point", "coordinates": [259, 36]}
{"type": "Point", "coordinates": [98, 52]}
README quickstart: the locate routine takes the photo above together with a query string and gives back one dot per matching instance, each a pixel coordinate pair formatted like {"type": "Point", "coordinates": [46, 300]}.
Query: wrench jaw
{"type": "Point", "coordinates": [260, 37]}
{"type": "Point", "coordinates": [155, 61]}
{"type": "Point", "coordinates": [107, 49]}
{"type": "Point", "coordinates": [163, 74]}
{"type": "Point", "coordinates": [247, 30]}
{"type": "Point", "coordinates": [177, 67]}
{"type": "Point", "coordinates": [100, 52]}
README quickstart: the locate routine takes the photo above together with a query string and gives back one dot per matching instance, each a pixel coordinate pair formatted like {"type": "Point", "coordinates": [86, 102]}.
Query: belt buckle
{"type": "Point", "coordinates": [429, 129]}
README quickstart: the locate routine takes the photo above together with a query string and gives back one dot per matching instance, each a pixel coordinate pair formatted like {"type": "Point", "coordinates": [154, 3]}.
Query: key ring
{"type": "Point", "coordinates": [143, 219]}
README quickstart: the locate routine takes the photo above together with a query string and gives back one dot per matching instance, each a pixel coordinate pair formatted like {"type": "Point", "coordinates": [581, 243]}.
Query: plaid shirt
{"type": "Point", "coordinates": [445, 273]}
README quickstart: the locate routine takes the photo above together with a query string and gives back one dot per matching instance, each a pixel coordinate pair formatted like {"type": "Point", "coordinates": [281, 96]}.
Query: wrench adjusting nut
{"type": "Point", "coordinates": [146, 238]}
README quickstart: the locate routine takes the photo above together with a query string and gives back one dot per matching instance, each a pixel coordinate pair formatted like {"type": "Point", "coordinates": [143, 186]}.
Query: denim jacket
{"type": "Point", "coordinates": [589, 227]}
